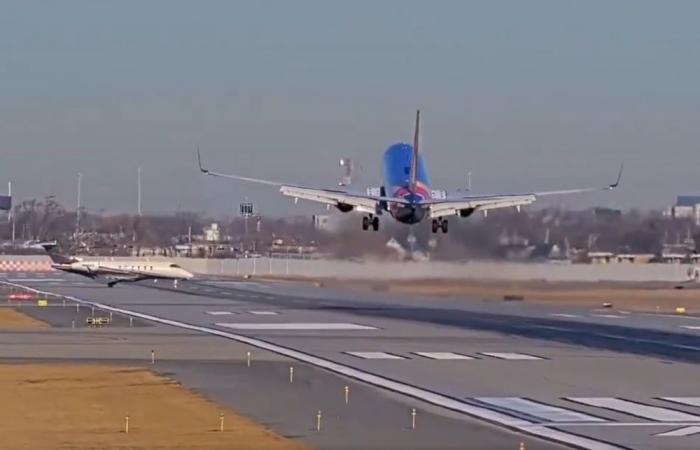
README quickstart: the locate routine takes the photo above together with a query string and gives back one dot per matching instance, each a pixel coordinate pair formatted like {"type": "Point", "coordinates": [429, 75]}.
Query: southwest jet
{"type": "Point", "coordinates": [406, 194]}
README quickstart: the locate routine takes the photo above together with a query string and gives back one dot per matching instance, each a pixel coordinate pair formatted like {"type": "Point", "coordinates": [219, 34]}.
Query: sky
{"type": "Point", "coordinates": [534, 95]}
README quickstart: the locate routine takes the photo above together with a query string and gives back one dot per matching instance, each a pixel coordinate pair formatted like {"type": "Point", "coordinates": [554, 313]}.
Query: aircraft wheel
{"type": "Point", "coordinates": [444, 227]}
{"type": "Point", "coordinates": [375, 223]}
{"type": "Point", "coordinates": [365, 223]}
{"type": "Point", "coordinates": [436, 225]}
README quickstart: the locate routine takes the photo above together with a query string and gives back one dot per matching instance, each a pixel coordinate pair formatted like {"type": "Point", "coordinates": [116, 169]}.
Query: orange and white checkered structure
{"type": "Point", "coordinates": [25, 265]}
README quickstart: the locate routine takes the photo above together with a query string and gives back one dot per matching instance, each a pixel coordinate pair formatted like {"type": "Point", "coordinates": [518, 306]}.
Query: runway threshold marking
{"type": "Point", "coordinates": [635, 409]}
{"type": "Point", "coordinates": [681, 432]}
{"type": "Point", "coordinates": [512, 356]}
{"type": "Point", "coordinates": [539, 411]}
{"type": "Point", "coordinates": [309, 326]}
{"type": "Point", "coordinates": [375, 355]}
{"type": "Point", "coordinates": [428, 396]}
{"type": "Point", "coordinates": [689, 401]}
{"type": "Point", "coordinates": [443, 355]}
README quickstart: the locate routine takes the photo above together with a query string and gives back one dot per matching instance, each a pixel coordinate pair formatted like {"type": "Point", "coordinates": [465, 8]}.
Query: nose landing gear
{"type": "Point", "coordinates": [370, 221]}
{"type": "Point", "coordinates": [440, 225]}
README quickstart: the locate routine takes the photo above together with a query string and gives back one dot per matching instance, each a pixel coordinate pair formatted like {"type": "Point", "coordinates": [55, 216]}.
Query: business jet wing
{"type": "Point", "coordinates": [469, 204]}
{"type": "Point", "coordinates": [359, 202]}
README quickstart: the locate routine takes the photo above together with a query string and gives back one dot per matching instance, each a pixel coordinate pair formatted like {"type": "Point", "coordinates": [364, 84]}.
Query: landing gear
{"type": "Point", "coordinates": [370, 221]}
{"type": "Point", "coordinates": [440, 224]}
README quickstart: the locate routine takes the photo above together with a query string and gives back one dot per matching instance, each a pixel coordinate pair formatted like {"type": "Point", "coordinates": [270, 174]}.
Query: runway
{"type": "Point", "coordinates": [593, 379]}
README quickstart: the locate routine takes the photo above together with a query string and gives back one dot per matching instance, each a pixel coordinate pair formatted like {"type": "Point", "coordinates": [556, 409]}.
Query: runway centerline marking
{"type": "Point", "coordinates": [649, 412]}
{"type": "Point", "coordinates": [566, 316]}
{"type": "Point", "coordinates": [220, 313]}
{"type": "Point", "coordinates": [263, 313]}
{"type": "Point", "coordinates": [297, 326]}
{"type": "Point", "coordinates": [434, 398]}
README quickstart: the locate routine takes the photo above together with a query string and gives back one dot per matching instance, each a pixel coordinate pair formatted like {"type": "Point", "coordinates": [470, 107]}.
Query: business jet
{"type": "Point", "coordinates": [128, 270]}
{"type": "Point", "coordinates": [406, 194]}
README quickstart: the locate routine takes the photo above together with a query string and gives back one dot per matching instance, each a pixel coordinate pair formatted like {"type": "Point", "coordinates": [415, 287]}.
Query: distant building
{"type": "Point", "coordinates": [686, 207]}
{"type": "Point", "coordinates": [212, 233]}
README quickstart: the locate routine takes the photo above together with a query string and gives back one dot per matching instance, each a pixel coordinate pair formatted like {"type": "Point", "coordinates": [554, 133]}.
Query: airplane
{"type": "Point", "coordinates": [120, 271]}
{"type": "Point", "coordinates": [406, 194]}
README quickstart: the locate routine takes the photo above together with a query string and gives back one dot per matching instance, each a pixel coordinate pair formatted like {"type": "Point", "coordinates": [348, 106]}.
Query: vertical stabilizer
{"type": "Point", "coordinates": [414, 159]}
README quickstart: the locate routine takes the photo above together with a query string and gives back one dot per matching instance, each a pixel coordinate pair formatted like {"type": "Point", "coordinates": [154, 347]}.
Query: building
{"type": "Point", "coordinates": [686, 207]}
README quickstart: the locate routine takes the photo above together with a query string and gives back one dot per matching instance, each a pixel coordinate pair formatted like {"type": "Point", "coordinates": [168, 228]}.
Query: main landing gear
{"type": "Point", "coordinates": [440, 224]}
{"type": "Point", "coordinates": [370, 221]}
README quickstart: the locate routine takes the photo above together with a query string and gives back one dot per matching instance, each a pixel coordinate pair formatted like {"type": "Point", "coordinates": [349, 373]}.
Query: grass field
{"type": "Point", "coordinates": [11, 319]}
{"type": "Point", "coordinates": [80, 407]}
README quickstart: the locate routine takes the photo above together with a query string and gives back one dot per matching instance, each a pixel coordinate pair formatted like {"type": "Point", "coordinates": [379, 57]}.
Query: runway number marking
{"type": "Point", "coordinates": [512, 356]}
{"type": "Point", "coordinates": [655, 413]}
{"type": "Point", "coordinates": [537, 410]}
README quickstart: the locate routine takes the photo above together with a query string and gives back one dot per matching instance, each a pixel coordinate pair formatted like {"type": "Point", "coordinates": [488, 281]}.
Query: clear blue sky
{"type": "Point", "coordinates": [526, 95]}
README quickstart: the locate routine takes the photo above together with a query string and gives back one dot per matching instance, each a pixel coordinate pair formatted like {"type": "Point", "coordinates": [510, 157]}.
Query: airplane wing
{"type": "Point", "coordinates": [359, 202]}
{"type": "Point", "coordinates": [468, 204]}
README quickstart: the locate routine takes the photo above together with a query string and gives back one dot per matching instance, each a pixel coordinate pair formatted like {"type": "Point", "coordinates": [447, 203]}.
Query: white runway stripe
{"type": "Point", "coordinates": [546, 413]}
{"type": "Point", "coordinates": [691, 327]}
{"type": "Point", "coordinates": [220, 313]}
{"type": "Point", "coordinates": [37, 280]}
{"type": "Point", "coordinates": [263, 313]}
{"type": "Point", "coordinates": [567, 316]}
{"type": "Point", "coordinates": [443, 355]}
{"type": "Point", "coordinates": [680, 432]}
{"type": "Point", "coordinates": [608, 316]}
{"type": "Point", "coordinates": [325, 326]}
{"type": "Point", "coordinates": [690, 401]}
{"type": "Point", "coordinates": [374, 355]}
{"type": "Point", "coordinates": [512, 356]}
{"type": "Point", "coordinates": [655, 413]}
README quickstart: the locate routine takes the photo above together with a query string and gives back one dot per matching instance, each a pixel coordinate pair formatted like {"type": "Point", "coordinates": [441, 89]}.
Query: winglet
{"type": "Point", "coordinates": [414, 160]}
{"type": "Point", "coordinates": [619, 177]}
{"type": "Point", "coordinates": [199, 160]}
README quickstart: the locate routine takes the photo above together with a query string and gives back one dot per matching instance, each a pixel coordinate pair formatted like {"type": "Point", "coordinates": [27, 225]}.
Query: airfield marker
{"type": "Point", "coordinates": [291, 374]}
{"type": "Point", "coordinates": [413, 418]}
{"type": "Point", "coordinates": [247, 358]}
{"type": "Point", "coordinates": [126, 424]}
{"type": "Point", "coordinates": [221, 422]}
{"type": "Point", "coordinates": [153, 356]}
{"type": "Point", "coordinates": [318, 420]}
{"type": "Point", "coordinates": [347, 394]}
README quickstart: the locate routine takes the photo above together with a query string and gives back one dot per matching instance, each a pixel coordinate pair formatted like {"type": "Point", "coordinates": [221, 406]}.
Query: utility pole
{"type": "Point", "coordinates": [79, 204]}
{"type": "Point", "coordinates": [139, 191]}
{"type": "Point", "coordinates": [10, 214]}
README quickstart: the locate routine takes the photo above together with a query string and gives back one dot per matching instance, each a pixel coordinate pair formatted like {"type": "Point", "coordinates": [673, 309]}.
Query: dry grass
{"type": "Point", "coordinates": [79, 407]}
{"type": "Point", "coordinates": [11, 319]}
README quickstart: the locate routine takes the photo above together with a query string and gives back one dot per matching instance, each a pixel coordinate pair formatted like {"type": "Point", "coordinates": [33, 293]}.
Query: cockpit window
{"type": "Point", "coordinates": [175, 266]}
